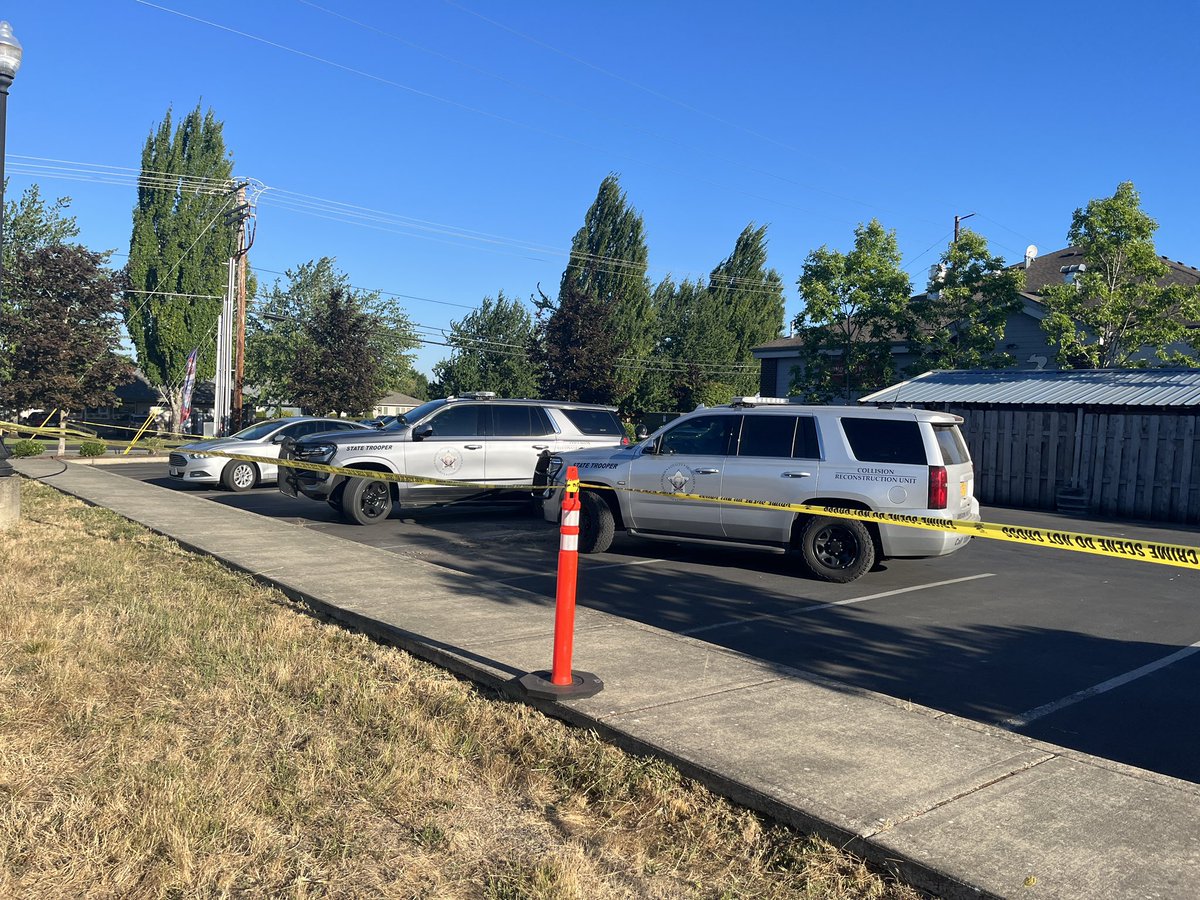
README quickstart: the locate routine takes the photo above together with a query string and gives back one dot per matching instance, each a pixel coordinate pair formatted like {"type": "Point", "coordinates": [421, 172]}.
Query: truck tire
{"type": "Point", "coordinates": [837, 550]}
{"type": "Point", "coordinates": [596, 524]}
{"type": "Point", "coordinates": [238, 476]}
{"type": "Point", "coordinates": [366, 501]}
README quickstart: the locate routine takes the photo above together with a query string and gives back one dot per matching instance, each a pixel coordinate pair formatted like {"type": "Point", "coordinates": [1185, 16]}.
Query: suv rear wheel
{"type": "Point", "coordinates": [837, 550]}
{"type": "Point", "coordinates": [366, 501]}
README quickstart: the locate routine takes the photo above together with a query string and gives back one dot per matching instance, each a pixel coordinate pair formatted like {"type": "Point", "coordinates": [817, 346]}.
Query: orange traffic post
{"type": "Point", "coordinates": [562, 681]}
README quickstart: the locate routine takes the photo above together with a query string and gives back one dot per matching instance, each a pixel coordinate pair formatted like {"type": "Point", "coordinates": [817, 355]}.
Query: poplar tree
{"type": "Point", "coordinates": [709, 328]}
{"type": "Point", "coordinates": [606, 271]}
{"type": "Point", "coordinates": [746, 309]}
{"type": "Point", "coordinates": [180, 245]}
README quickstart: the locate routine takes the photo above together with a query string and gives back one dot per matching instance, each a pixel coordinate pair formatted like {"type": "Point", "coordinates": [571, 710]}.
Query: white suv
{"type": "Point", "coordinates": [475, 438]}
{"type": "Point", "coordinates": [908, 461]}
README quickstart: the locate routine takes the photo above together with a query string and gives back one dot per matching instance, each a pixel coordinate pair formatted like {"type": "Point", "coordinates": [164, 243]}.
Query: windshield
{"type": "Point", "coordinates": [414, 415]}
{"type": "Point", "coordinates": [259, 431]}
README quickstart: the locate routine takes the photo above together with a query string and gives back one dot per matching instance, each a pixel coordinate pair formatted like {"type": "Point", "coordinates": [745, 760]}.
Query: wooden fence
{"type": "Point", "coordinates": [1130, 464]}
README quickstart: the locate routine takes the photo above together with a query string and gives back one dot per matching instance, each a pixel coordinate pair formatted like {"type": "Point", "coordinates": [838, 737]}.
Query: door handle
{"type": "Point", "coordinates": [474, 446]}
{"type": "Point", "coordinates": [541, 446]}
{"type": "Point", "coordinates": [707, 471]}
{"type": "Point", "coordinates": [796, 475]}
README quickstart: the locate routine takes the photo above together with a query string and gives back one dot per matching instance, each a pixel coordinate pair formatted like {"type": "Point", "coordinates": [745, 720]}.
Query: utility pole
{"type": "Point", "coordinates": [241, 214]}
{"type": "Point", "coordinates": [958, 219]}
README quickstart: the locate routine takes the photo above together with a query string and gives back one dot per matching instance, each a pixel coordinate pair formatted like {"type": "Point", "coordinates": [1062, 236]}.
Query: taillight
{"type": "Point", "coordinates": [624, 442]}
{"type": "Point", "coordinates": [938, 493]}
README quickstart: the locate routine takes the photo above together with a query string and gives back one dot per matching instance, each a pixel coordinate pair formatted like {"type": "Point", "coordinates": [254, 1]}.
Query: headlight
{"type": "Point", "coordinates": [319, 453]}
{"type": "Point", "coordinates": [197, 456]}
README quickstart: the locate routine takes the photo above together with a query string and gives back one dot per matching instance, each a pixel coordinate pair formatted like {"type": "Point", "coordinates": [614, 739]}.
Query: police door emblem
{"type": "Point", "coordinates": [448, 460]}
{"type": "Point", "coordinates": [678, 480]}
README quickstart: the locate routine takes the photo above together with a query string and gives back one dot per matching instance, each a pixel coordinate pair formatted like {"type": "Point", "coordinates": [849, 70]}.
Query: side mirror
{"type": "Point", "coordinates": [419, 434]}
{"type": "Point", "coordinates": [642, 432]}
{"type": "Point", "coordinates": [650, 450]}
{"type": "Point", "coordinates": [279, 438]}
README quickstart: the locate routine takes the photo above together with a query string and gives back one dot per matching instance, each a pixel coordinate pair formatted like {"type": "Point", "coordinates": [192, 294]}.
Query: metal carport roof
{"type": "Point", "coordinates": [1067, 387]}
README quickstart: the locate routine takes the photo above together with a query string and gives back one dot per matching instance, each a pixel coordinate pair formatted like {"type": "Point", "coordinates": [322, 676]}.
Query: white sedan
{"type": "Point", "coordinates": [189, 465]}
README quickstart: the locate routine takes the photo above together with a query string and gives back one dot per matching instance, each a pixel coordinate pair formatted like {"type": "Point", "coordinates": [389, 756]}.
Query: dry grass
{"type": "Point", "coordinates": [171, 729]}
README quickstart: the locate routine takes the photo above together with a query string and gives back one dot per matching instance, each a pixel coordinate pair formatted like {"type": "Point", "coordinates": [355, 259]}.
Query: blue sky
{"type": "Point", "coordinates": [477, 133]}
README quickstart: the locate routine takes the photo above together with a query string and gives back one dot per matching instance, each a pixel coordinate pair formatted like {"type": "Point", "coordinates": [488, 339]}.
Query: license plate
{"type": "Point", "coordinates": [175, 471]}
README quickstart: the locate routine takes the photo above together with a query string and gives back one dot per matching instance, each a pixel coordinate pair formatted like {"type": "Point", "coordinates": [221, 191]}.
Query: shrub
{"type": "Point", "coordinates": [27, 447]}
{"type": "Point", "coordinates": [93, 448]}
{"type": "Point", "coordinates": [154, 445]}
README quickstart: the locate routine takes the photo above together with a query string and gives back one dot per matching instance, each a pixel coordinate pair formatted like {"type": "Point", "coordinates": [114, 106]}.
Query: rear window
{"type": "Point", "coordinates": [767, 436]}
{"type": "Point", "coordinates": [518, 421]}
{"type": "Point", "coordinates": [950, 442]}
{"type": "Point", "coordinates": [595, 421]}
{"type": "Point", "coordinates": [885, 440]}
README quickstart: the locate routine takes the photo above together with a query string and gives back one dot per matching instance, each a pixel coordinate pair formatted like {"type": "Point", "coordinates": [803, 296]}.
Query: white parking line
{"type": "Point", "coordinates": [1046, 709]}
{"type": "Point", "coordinates": [787, 620]}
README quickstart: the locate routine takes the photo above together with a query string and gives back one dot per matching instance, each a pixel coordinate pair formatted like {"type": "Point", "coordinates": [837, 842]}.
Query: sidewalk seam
{"type": "Point", "coordinates": [891, 825]}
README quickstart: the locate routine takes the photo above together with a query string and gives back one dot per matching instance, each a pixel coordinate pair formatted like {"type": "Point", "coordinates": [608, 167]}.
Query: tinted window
{"type": "Point", "coordinates": [767, 436]}
{"type": "Point", "coordinates": [457, 421]}
{"type": "Point", "coordinates": [700, 436]}
{"type": "Point", "coordinates": [541, 423]}
{"type": "Point", "coordinates": [595, 421]}
{"type": "Point", "coordinates": [885, 440]}
{"type": "Point", "coordinates": [950, 442]}
{"type": "Point", "coordinates": [806, 439]}
{"type": "Point", "coordinates": [511, 421]}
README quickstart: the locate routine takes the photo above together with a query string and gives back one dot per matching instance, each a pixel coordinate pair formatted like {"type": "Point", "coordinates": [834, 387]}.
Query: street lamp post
{"type": "Point", "coordinates": [10, 61]}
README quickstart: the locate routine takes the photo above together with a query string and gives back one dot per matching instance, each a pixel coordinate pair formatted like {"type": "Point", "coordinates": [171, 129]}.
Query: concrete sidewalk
{"type": "Point", "coordinates": [953, 806]}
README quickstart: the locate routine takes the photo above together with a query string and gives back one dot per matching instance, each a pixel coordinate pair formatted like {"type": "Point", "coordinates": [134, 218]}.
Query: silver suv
{"type": "Point", "coordinates": [908, 461]}
{"type": "Point", "coordinates": [475, 438]}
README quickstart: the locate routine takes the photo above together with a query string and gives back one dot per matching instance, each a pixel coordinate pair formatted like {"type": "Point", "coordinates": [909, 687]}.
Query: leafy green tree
{"type": "Point", "coordinates": [30, 224]}
{"type": "Point", "coordinates": [1117, 307]}
{"type": "Point", "coordinates": [607, 271]}
{"type": "Point", "coordinates": [60, 332]}
{"type": "Point", "coordinates": [339, 373]}
{"type": "Point", "coordinates": [959, 322]}
{"type": "Point", "coordinates": [318, 343]}
{"type": "Point", "coordinates": [855, 304]}
{"type": "Point", "coordinates": [492, 347]}
{"type": "Point", "coordinates": [180, 245]}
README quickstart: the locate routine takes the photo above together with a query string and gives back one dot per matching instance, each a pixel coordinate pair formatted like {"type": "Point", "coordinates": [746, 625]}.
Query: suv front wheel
{"type": "Point", "coordinates": [366, 501]}
{"type": "Point", "coordinates": [837, 550]}
{"type": "Point", "coordinates": [596, 524]}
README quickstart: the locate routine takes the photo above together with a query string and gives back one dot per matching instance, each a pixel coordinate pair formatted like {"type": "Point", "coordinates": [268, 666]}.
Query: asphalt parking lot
{"type": "Point", "coordinates": [1096, 654]}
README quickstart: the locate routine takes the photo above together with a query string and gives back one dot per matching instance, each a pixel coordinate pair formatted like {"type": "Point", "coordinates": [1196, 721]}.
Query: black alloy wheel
{"type": "Point", "coordinates": [837, 550]}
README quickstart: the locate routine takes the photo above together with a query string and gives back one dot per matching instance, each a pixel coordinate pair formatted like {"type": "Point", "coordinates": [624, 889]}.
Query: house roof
{"type": "Point", "coordinates": [398, 400]}
{"type": "Point", "coordinates": [1068, 387]}
{"type": "Point", "coordinates": [1047, 268]}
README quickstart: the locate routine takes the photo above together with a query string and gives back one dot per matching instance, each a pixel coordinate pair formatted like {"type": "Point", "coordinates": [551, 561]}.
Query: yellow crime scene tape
{"type": "Point", "coordinates": [1177, 555]}
{"type": "Point", "coordinates": [72, 433]}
